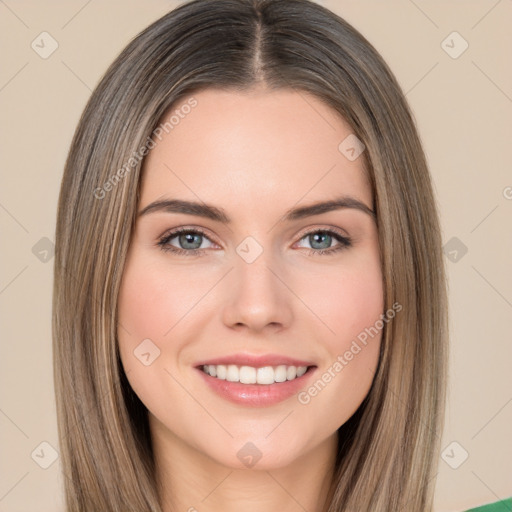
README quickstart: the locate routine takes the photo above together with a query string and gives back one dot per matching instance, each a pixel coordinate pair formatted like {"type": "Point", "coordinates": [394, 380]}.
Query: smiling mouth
{"type": "Point", "coordinates": [265, 375]}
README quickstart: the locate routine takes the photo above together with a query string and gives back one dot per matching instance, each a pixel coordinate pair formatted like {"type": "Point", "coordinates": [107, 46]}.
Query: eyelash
{"type": "Point", "coordinates": [163, 243]}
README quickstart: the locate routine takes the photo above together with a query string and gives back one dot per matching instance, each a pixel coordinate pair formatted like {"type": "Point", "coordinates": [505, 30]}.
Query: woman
{"type": "Point", "coordinates": [248, 369]}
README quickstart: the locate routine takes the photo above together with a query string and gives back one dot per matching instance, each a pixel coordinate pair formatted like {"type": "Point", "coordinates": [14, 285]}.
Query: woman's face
{"type": "Point", "coordinates": [250, 279]}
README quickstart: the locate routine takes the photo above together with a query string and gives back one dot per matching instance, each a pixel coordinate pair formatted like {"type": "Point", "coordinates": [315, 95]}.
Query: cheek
{"type": "Point", "coordinates": [153, 305]}
{"type": "Point", "coordinates": [350, 305]}
{"type": "Point", "coordinates": [356, 302]}
{"type": "Point", "coordinates": [347, 299]}
{"type": "Point", "coordinates": [147, 310]}
{"type": "Point", "coordinates": [153, 301]}
{"type": "Point", "coordinates": [359, 298]}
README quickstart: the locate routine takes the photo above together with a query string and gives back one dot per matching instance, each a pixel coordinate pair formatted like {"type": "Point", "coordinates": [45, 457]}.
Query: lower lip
{"type": "Point", "coordinates": [256, 395]}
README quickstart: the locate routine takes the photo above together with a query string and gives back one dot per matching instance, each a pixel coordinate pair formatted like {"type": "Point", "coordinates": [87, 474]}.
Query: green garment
{"type": "Point", "coordinates": [499, 506]}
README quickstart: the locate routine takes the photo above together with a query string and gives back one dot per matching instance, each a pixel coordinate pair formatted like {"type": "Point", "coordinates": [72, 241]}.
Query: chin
{"type": "Point", "coordinates": [255, 455]}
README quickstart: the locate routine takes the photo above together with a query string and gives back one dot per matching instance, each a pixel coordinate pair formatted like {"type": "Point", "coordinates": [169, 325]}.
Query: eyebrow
{"type": "Point", "coordinates": [219, 215]}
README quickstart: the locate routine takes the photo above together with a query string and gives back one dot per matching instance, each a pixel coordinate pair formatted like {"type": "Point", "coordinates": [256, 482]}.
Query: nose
{"type": "Point", "coordinates": [259, 298]}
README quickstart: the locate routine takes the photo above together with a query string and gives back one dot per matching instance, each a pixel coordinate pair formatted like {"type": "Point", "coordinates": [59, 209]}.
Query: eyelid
{"type": "Point", "coordinates": [343, 238]}
{"type": "Point", "coordinates": [300, 235]}
{"type": "Point", "coordinates": [185, 229]}
{"type": "Point", "coordinates": [322, 227]}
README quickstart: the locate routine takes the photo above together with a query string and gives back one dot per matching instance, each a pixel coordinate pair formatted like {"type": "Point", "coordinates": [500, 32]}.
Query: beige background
{"type": "Point", "coordinates": [463, 108]}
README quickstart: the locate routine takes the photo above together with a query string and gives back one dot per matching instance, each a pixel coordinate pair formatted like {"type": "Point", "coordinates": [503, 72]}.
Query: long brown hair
{"type": "Point", "coordinates": [389, 449]}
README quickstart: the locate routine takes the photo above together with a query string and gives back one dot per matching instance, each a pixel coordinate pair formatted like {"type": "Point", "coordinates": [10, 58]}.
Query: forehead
{"type": "Point", "coordinates": [252, 148]}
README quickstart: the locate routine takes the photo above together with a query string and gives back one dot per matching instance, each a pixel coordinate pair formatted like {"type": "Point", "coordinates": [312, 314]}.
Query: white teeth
{"type": "Point", "coordinates": [301, 370]}
{"type": "Point", "coordinates": [265, 375]}
{"type": "Point", "coordinates": [247, 375]}
{"type": "Point", "coordinates": [233, 375]}
{"type": "Point", "coordinates": [221, 371]}
{"type": "Point", "coordinates": [251, 375]}
{"type": "Point", "coordinates": [280, 373]}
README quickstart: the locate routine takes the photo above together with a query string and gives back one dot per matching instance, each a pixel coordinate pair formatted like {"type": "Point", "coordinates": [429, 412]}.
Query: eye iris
{"type": "Point", "coordinates": [185, 239]}
{"type": "Point", "coordinates": [321, 235]}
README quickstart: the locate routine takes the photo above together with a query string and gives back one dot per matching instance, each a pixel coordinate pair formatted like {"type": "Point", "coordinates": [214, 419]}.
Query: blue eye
{"type": "Point", "coordinates": [190, 241]}
{"type": "Point", "coordinates": [186, 238]}
{"type": "Point", "coordinates": [321, 236]}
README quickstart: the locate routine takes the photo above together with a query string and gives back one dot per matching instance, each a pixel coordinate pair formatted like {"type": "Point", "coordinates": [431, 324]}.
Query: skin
{"type": "Point", "coordinates": [255, 155]}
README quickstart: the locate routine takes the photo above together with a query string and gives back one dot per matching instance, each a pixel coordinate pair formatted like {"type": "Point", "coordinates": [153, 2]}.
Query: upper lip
{"type": "Point", "coordinates": [256, 361]}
